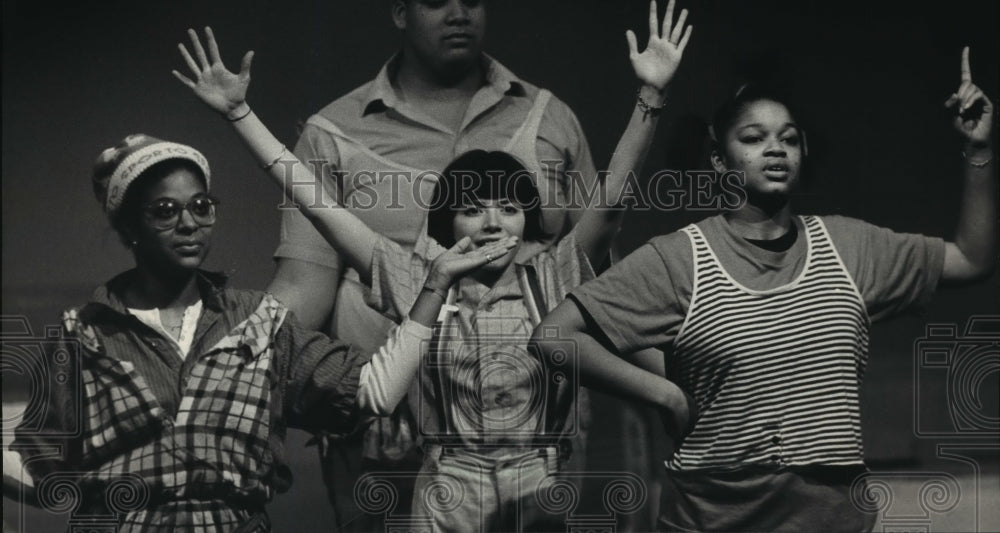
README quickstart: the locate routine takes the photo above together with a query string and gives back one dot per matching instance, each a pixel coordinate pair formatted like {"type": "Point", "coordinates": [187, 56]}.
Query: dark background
{"type": "Point", "coordinates": [871, 80]}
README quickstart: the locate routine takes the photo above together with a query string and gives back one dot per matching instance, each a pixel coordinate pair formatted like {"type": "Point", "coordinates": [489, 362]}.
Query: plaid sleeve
{"type": "Point", "coordinates": [397, 277]}
{"type": "Point", "coordinates": [322, 376]}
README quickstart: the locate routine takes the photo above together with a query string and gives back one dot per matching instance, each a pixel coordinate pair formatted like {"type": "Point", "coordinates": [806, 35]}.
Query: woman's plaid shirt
{"type": "Point", "coordinates": [204, 435]}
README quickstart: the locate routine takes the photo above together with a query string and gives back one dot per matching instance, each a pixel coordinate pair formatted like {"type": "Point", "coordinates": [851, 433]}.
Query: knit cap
{"type": "Point", "coordinates": [118, 166]}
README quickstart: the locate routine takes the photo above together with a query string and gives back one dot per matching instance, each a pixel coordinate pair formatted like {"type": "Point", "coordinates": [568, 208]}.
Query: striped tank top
{"type": "Point", "coordinates": [776, 373]}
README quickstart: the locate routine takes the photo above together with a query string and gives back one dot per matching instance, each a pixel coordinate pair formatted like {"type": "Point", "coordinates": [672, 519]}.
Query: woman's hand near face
{"type": "Point", "coordinates": [213, 83]}
{"type": "Point", "coordinates": [448, 268]}
{"type": "Point", "coordinates": [458, 261]}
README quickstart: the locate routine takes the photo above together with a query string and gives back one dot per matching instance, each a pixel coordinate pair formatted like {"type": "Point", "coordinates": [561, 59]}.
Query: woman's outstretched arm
{"type": "Point", "coordinates": [654, 67]}
{"type": "Point", "coordinates": [225, 92]}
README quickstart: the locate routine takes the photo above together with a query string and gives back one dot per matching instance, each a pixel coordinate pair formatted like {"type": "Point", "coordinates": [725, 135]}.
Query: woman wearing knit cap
{"type": "Point", "coordinates": [185, 387]}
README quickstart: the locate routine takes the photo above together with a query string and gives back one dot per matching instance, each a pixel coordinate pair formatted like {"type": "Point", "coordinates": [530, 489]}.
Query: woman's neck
{"type": "Point", "coordinates": [760, 223]}
{"type": "Point", "coordinates": [150, 289]}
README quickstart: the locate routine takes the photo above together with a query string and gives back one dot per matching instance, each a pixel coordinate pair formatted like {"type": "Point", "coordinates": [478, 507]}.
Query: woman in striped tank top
{"type": "Point", "coordinates": [764, 316]}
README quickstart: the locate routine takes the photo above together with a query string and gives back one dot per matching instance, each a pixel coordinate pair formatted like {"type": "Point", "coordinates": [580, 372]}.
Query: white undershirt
{"type": "Point", "coordinates": [189, 323]}
{"type": "Point", "coordinates": [385, 379]}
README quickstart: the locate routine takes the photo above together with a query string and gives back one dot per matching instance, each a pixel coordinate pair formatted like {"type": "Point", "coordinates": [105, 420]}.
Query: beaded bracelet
{"type": "Point", "coordinates": [644, 105]}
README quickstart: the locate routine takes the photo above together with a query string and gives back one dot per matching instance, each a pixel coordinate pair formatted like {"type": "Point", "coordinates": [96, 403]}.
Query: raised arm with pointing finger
{"type": "Point", "coordinates": [972, 253]}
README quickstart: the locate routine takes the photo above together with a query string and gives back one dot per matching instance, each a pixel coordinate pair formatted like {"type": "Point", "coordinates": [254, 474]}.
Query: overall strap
{"type": "Point", "coordinates": [434, 355]}
{"type": "Point", "coordinates": [531, 290]}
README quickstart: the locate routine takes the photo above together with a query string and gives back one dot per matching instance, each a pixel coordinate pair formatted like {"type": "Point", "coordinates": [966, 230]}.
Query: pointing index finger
{"type": "Point", "coordinates": [966, 71]}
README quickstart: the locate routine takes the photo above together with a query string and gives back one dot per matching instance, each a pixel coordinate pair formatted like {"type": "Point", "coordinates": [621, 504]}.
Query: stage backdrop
{"type": "Point", "coordinates": [871, 81]}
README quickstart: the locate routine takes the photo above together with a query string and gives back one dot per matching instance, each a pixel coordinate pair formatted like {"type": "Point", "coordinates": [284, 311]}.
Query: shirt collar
{"type": "Point", "coordinates": [382, 95]}
{"type": "Point", "coordinates": [506, 287]}
{"type": "Point", "coordinates": [107, 297]}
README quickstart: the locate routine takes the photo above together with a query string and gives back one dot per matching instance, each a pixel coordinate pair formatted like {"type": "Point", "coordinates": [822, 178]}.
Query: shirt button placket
{"type": "Point", "coordinates": [773, 428]}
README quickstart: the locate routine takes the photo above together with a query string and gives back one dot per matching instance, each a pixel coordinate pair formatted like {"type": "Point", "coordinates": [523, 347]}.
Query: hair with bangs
{"type": "Point", "coordinates": [480, 175]}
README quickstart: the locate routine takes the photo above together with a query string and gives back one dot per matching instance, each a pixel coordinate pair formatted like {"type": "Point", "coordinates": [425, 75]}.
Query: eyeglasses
{"type": "Point", "coordinates": [165, 213]}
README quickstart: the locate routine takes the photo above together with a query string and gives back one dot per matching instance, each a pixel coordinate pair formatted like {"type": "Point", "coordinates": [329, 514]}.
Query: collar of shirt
{"type": "Point", "coordinates": [106, 300]}
{"type": "Point", "coordinates": [500, 81]}
{"type": "Point", "coordinates": [473, 294]}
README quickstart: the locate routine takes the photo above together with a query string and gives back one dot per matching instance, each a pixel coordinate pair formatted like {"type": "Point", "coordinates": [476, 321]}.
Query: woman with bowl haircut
{"type": "Point", "coordinates": [481, 406]}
